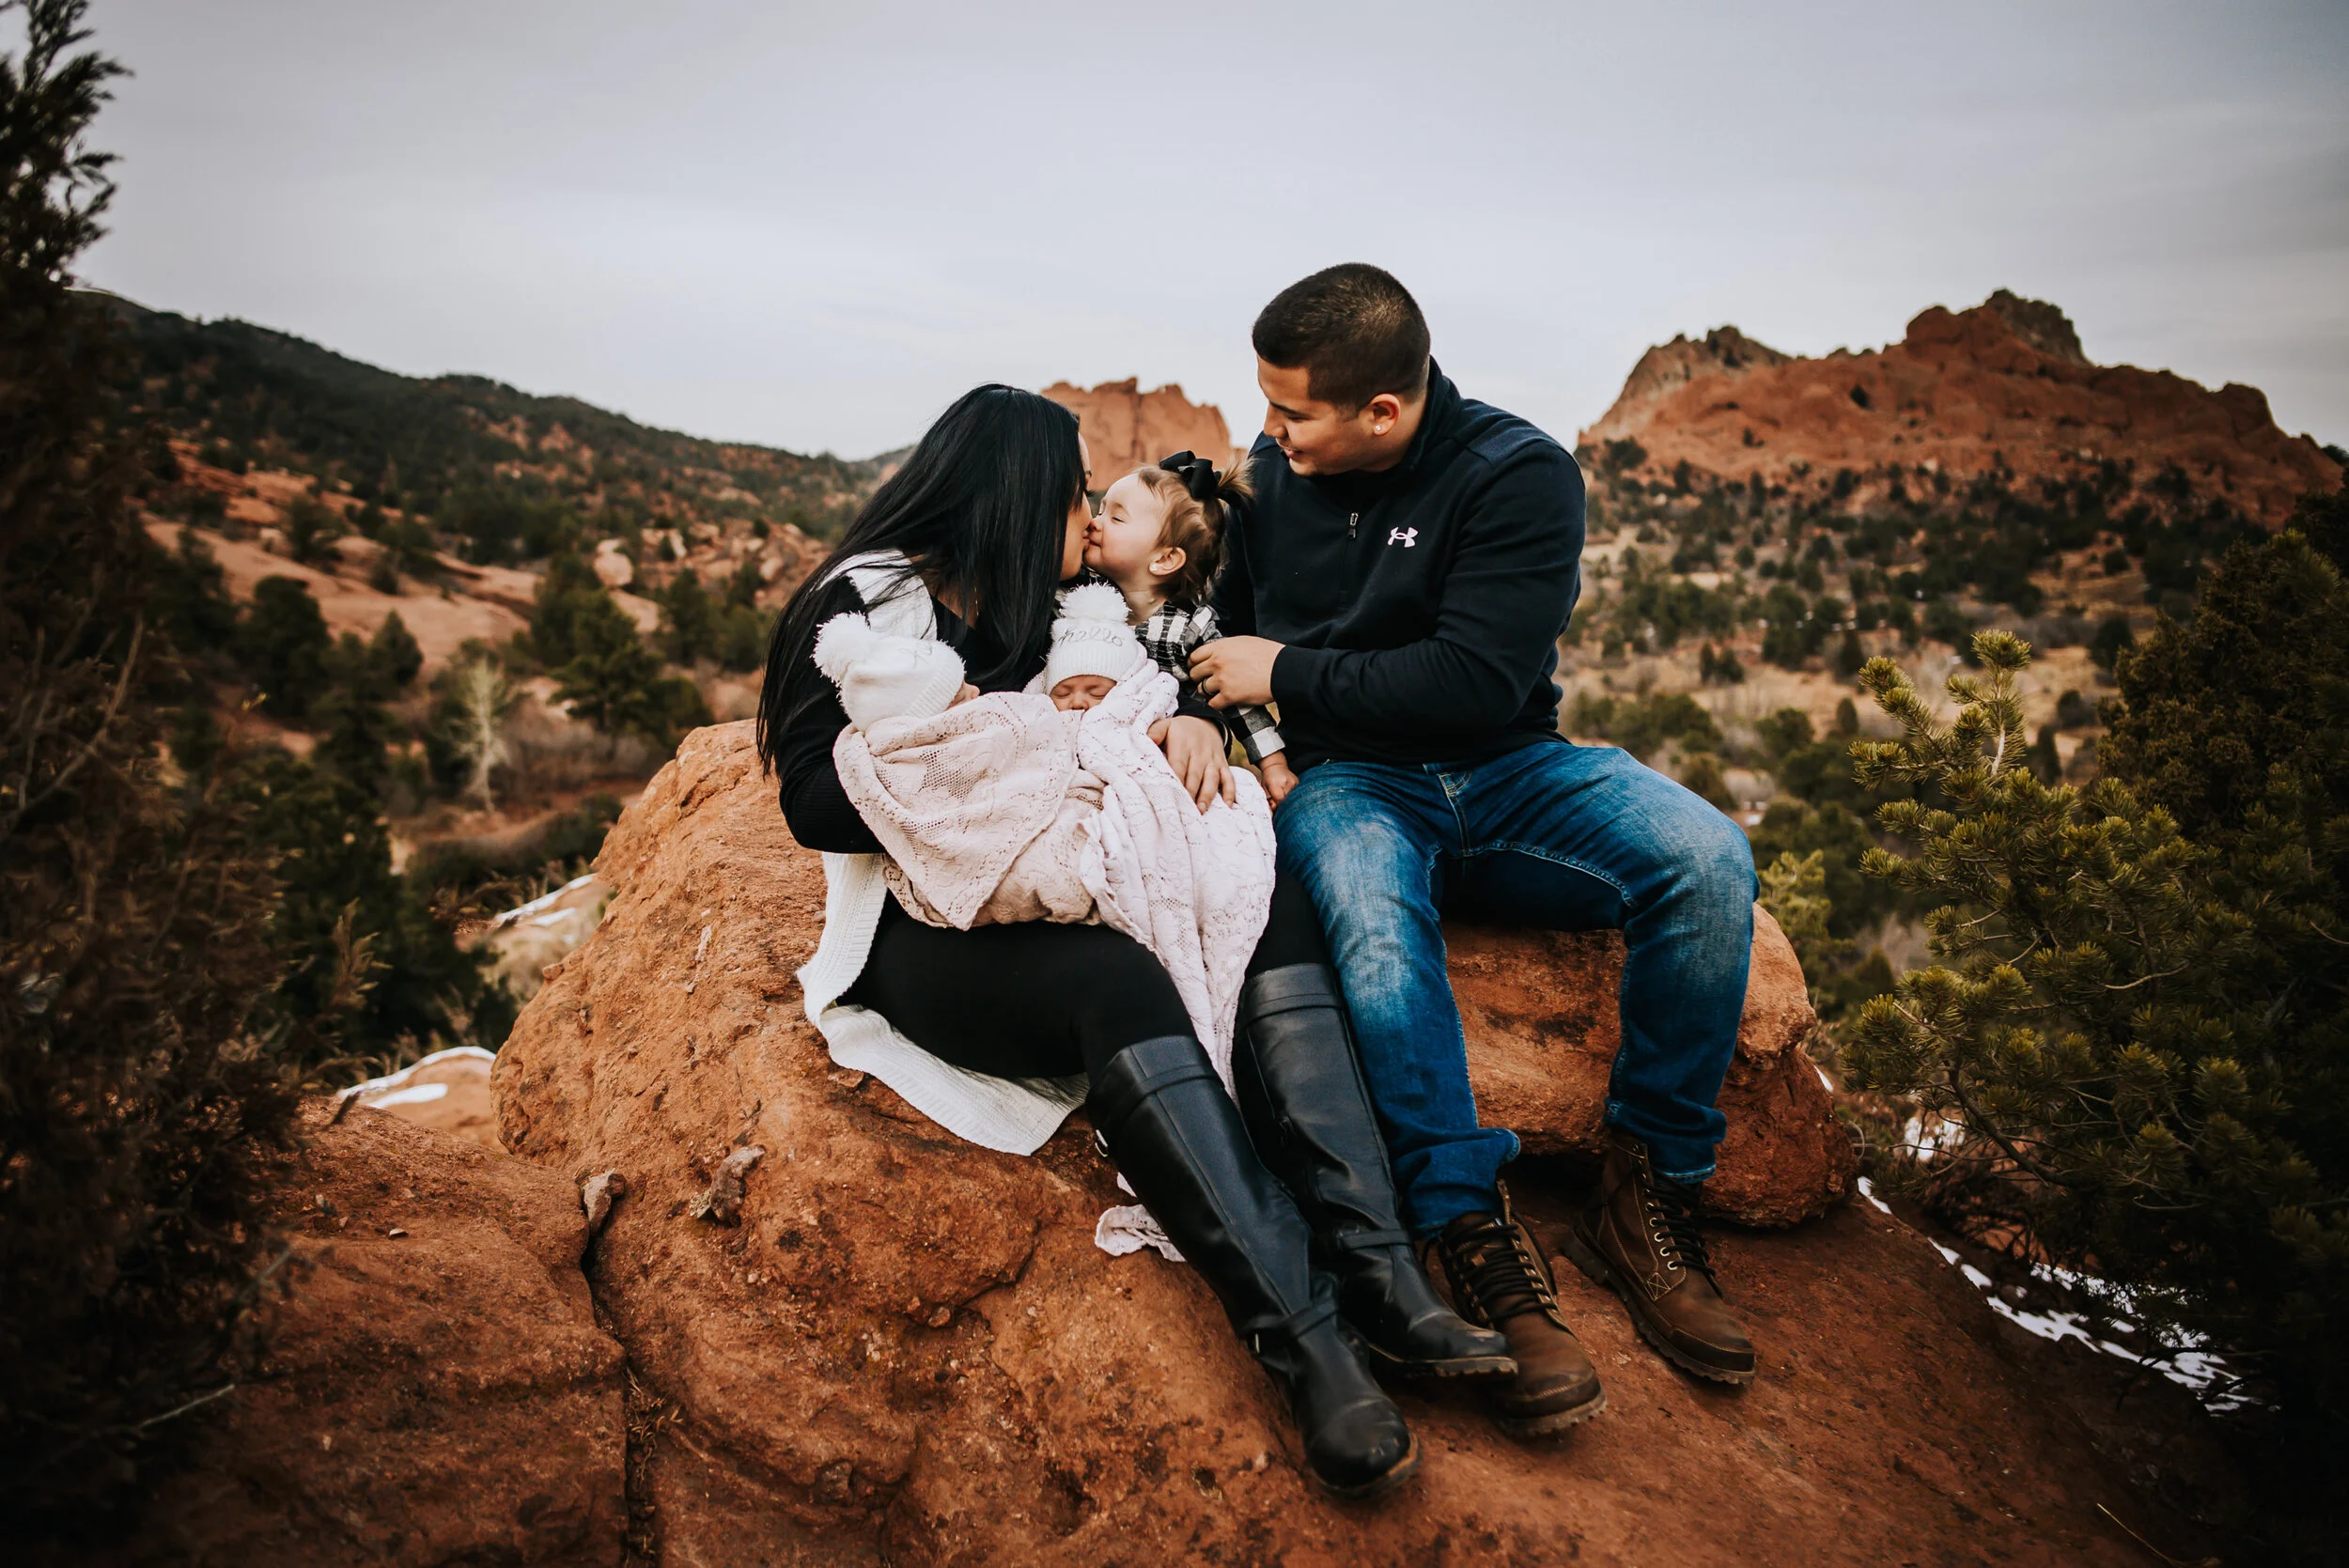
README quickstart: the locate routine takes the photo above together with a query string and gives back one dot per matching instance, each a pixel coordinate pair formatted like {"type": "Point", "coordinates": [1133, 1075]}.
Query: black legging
{"type": "Point", "coordinates": [1043, 1000]}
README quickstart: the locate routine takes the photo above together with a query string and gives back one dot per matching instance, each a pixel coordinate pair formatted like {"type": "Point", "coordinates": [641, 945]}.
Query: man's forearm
{"type": "Point", "coordinates": [1430, 685]}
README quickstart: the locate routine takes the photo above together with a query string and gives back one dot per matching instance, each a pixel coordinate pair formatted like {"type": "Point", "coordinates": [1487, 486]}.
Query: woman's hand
{"type": "Point", "coordinates": [1195, 747]}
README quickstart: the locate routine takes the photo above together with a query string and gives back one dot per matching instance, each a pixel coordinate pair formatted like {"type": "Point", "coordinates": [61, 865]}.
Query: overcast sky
{"type": "Point", "coordinates": [813, 225]}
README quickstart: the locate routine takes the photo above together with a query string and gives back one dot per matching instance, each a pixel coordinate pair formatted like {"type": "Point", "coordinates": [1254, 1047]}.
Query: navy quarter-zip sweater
{"type": "Point", "coordinates": [1421, 607]}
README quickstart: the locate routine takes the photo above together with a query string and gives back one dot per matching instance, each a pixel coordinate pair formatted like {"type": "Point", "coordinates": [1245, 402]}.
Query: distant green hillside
{"type": "Point", "coordinates": [248, 394]}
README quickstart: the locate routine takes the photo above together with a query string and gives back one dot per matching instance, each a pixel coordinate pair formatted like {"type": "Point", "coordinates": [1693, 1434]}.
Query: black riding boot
{"type": "Point", "coordinates": [1309, 1112]}
{"type": "Point", "coordinates": [1166, 1121]}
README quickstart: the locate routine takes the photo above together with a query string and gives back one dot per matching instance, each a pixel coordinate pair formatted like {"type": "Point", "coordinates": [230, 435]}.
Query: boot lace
{"type": "Point", "coordinates": [1493, 1267]}
{"type": "Point", "coordinates": [1671, 1215]}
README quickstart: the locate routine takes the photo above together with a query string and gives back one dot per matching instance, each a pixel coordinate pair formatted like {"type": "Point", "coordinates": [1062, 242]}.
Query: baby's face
{"type": "Point", "coordinates": [1078, 692]}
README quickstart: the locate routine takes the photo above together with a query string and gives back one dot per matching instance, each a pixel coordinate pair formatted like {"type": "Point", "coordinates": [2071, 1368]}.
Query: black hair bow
{"type": "Point", "coordinates": [1196, 472]}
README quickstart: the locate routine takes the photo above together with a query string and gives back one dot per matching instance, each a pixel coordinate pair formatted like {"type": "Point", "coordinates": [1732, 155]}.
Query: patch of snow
{"type": "Point", "coordinates": [2192, 1366]}
{"type": "Point", "coordinates": [534, 905]}
{"type": "Point", "coordinates": [1926, 1142]}
{"type": "Point", "coordinates": [1867, 1190]}
{"type": "Point", "coordinates": [395, 1080]}
{"type": "Point", "coordinates": [415, 1093]}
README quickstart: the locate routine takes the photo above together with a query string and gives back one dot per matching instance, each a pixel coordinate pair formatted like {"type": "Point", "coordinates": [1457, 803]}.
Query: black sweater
{"type": "Point", "coordinates": [1421, 607]}
{"type": "Point", "coordinates": [815, 807]}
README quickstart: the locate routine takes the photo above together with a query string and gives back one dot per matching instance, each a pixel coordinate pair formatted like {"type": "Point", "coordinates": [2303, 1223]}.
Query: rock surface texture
{"type": "Point", "coordinates": [1539, 1010]}
{"type": "Point", "coordinates": [2004, 382]}
{"type": "Point", "coordinates": [905, 1349]}
{"type": "Point", "coordinates": [437, 1390]}
{"type": "Point", "coordinates": [1125, 427]}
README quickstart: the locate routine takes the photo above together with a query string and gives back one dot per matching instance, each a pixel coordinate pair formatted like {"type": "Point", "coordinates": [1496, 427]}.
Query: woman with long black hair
{"type": "Point", "coordinates": [1283, 1203]}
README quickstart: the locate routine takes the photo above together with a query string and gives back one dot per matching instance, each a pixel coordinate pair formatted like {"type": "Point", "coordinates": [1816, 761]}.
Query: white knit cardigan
{"type": "Point", "coordinates": [1015, 1115]}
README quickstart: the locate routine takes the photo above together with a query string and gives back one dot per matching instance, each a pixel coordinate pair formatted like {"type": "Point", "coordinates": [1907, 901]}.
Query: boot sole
{"type": "Point", "coordinates": [1404, 1469]}
{"type": "Point", "coordinates": [1557, 1421]}
{"type": "Point", "coordinates": [1599, 1272]}
{"type": "Point", "coordinates": [1462, 1368]}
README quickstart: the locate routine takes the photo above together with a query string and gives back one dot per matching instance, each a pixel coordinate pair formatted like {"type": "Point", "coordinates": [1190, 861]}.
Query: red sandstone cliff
{"type": "Point", "coordinates": [1125, 427]}
{"type": "Point", "coordinates": [2004, 383]}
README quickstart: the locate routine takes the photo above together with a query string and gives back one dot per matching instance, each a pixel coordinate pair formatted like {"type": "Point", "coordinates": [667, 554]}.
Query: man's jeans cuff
{"type": "Point", "coordinates": [1685, 1160]}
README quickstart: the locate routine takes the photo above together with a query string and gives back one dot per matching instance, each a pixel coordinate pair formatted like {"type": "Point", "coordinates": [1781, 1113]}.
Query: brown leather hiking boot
{"type": "Point", "coordinates": [1640, 1239]}
{"type": "Point", "coordinates": [1499, 1280]}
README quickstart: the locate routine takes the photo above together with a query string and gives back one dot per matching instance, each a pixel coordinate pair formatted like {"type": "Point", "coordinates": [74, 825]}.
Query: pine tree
{"type": "Point", "coordinates": [136, 1119]}
{"type": "Point", "coordinates": [191, 602]}
{"type": "Point", "coordinates": [689, 621]}
{"type": "Point", "coordinates": [568, 596]}
{"type": "Point", "coordinates": [358, 726]}
{"type": "Point", "coordinates": [615, 683]}
{"type": "Point", "coordinates": [283, 644]}
{"type": "Point", "coordinates": [398, 658]}
{"type": "Point", "coordinates": [370, 972]}
{"type": "Point", "coordinates": [2138, 1035]}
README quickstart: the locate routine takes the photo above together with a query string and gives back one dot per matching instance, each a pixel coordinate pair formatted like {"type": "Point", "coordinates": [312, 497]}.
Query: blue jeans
{"type": "Point", "coordinates": [1553, 835]}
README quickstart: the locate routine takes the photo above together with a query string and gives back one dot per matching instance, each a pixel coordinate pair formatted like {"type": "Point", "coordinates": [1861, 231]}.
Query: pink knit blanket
{"type": "Point", "coordinates": [1004, 809]}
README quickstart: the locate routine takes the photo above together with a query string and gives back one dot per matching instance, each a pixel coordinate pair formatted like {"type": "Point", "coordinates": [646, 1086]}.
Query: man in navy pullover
{"type": "Point", "coordinates": [1397, 588]}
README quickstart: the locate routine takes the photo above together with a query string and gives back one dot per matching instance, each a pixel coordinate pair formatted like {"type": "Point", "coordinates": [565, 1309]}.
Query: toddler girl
{"type": "Point", "coordinates": [1159, 539]}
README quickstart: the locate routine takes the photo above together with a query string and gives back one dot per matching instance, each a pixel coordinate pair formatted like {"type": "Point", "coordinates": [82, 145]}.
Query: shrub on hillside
{"type": "Point", "coordinates": [357, 727]}
{"type": "Point", "coordinates": [371, 976]}
{"type": "Point", "coordinates": [563, 847]}
{"type": "Point", "coordinates": [615, 684]}
{"type": "Point", "coordinates": [191, 599]}
{"type": "Point", "coordinates": [311, 529]}
{"type": "Point", "coordinates": [283, 644]}
{"type": "Point", "coordinates": [1797, 628]}
{"type": "Point", "coordinates": [500, 525]}
{"type": "Point", "coordinates": [1719, 669]}
{"type": "Point", "coordinates": [1641, 726]}
{"type": "Point", "coordinates": [136, 1120]}
{"type": "Point", "coordinates": [568, 597]}
{"type": "Point", "coordinates": [2138, 1032]}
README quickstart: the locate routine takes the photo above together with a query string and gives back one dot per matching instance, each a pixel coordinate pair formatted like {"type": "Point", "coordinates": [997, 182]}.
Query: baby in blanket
{"type": "Point", "coordinates": [891, 686]}
{"type": "Point", "coordinates": [1051, 803]}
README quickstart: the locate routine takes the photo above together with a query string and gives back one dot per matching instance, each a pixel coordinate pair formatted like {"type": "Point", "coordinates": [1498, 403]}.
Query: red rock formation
{"type": "Point", "coordinates": [1125, 427]}
{"type": "Point", "coordinates": [437, 1390]}
{"type": "Point", "coordinates": [1539, 1010]}
{"type": "Point", "coordinates": [2004, 382]}
{"type": "Point", "coordinates": [908, 1349]}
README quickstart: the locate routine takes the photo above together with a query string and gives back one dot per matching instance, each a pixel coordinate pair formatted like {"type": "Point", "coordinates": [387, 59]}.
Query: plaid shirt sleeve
{"type": "Point", "coordinates": [1170, 635]}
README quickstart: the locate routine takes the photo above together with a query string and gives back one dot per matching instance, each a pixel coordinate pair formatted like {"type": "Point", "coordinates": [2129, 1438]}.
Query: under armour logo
{"type": "Point", "coordinates": [1406, 538]}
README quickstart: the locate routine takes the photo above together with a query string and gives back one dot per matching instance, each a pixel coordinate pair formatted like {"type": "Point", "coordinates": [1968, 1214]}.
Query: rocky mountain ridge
{"type": "Point", "coordinates": [1125, 427]}
{"type": "Point", "coordinates": [250, 395]}
{"type": "Point", "coordinates": [2002, 389]}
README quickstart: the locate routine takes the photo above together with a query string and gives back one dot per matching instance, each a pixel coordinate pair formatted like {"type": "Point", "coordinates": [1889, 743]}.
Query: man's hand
{"type": "Point", "coordinates": [1232, 671]}
{"type": "Point", "coordinates": [1195, 747]}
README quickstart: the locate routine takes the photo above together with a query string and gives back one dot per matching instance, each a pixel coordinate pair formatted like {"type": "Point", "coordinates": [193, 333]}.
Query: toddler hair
{"type": "Point", "coordinates": [1198, 503]}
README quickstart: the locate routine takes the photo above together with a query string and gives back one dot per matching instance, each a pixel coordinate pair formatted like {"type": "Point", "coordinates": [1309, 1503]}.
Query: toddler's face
{"type": "Point", "coordinates": [1123, 543]}
{"type": "Point", "coordinates": [1078, 692]}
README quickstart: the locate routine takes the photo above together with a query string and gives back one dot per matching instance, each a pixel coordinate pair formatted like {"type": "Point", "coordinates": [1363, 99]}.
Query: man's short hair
{"type": "Point", "coordinates": [1356, 330]}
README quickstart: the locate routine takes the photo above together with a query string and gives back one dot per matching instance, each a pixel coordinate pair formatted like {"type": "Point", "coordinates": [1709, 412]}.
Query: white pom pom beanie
{"type": "Point", "coordinates": [1091, 637]}
{"type": "Point", "coordinates": [882, 675]}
